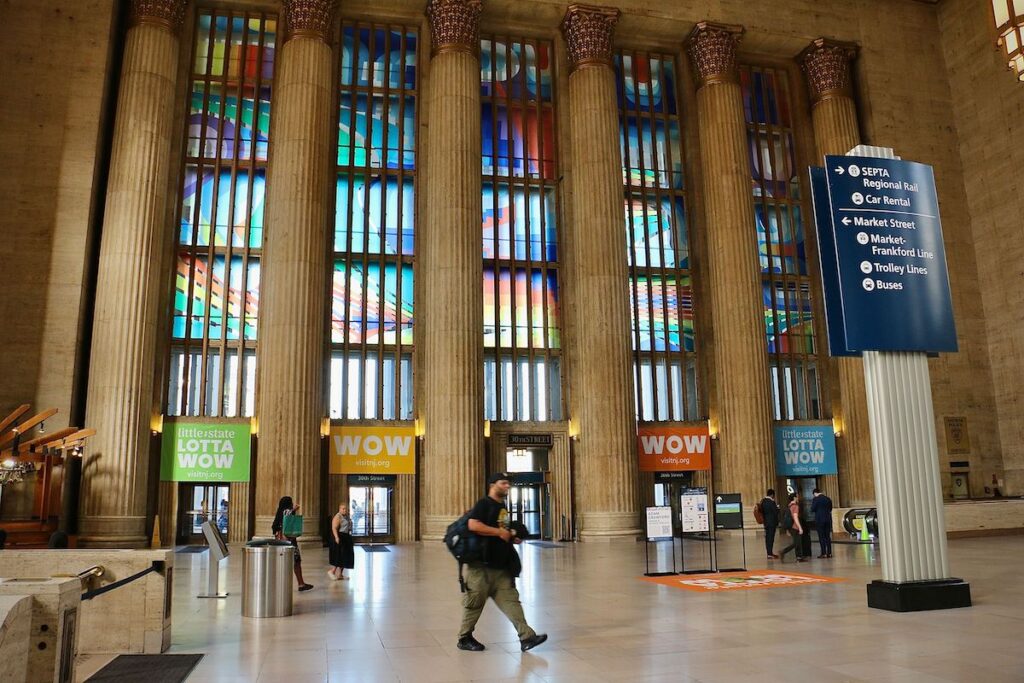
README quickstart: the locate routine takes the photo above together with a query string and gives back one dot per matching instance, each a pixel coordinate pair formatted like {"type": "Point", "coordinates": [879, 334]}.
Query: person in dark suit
{"type": "Point", "coordinates": [821, 508]}
{"type": "Point", "coordinates": [770, 513]}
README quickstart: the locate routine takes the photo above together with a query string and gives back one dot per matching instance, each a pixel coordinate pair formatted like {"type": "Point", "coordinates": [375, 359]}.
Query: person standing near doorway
{"type": "Point", "coordinates": [287, 507]}
{"type": "Point", "coordinates": [770, 517]}
{"type": "Point", "coordinates": [495, 576]}
{"type": "Point", "coordinates": [821, 508]}
{"type": "Point", "coordinates": [790, 519]}
{"type": "Point", "coordinates": [341, 549]}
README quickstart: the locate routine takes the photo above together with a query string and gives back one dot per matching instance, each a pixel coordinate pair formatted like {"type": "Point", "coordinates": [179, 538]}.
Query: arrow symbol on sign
{"type": "Point", "coordinates": [846, 221]}
{"type": "Point", "coordinates": [839, 170]}
{"type": "Point", "coordinates": [718, 500]}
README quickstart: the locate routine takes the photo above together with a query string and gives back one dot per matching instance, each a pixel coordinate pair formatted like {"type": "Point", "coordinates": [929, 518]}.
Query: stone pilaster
{"type": "Point", "coordinates": [606, 466]}
{"type": "Point", "coordinates": [741, 411]}
{"type": "Point", "coordinates": [826, 64]}
{"type": "Point", "coordinates": [115, 473]}
{"type": "Point", "coordinates": [451, 269]}
{"type": "Point", "coordinates": [294, 267]}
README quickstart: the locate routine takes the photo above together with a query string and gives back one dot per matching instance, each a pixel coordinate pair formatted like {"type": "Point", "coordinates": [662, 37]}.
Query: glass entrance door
{"type": "Point", "coordinates": [198, 503]}
{"type": "Point", "coordinates": [370, 507]}
{"type": "Point", "coordinates": [528, 503]}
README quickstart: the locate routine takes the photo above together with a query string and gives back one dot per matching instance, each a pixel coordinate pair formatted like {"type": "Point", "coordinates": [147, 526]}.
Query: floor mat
{"type": "Point", "coordinates": [147, 668]}
{"type": "Point", "coordinates": [375, 548]}
{"type": "Point", "coordinates": [191, 549]}
{"type": "Point", "coordinates": [544, 544]}
{"type": "Point", "coordinates": [724, 583]}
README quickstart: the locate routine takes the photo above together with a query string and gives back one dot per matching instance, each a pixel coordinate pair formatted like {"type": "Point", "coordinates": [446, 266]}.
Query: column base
{"type": "Point", "coordinates": [112, 532]}
{"type": "Point", "coordinates": [262, 526]}
{"type": "Point", "coordinates": [609, 526]}
{"type": "Point", "coordinates": [434, 526]}
{"type": "Point", "coordinates": [918, 596]}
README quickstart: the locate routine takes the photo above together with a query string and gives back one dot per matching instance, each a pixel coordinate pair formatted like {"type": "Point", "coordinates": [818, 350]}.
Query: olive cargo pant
{"type": "Point", "coordinates": [482, 583]}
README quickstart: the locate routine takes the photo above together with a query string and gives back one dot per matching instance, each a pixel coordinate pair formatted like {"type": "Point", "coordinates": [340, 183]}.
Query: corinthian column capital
{"type": "Point", "coordinates": [454, 25]}
{"type": "Point", "coordinates": [168, 14]}
{"type": "Point", "coordinates": [308, 18]}
{"type": "Point", "coordinates": [588, 32]}
{"type": "Point", "coordinates": [826, 63]}
{"type": "Point", "coordinates": [712, 50]}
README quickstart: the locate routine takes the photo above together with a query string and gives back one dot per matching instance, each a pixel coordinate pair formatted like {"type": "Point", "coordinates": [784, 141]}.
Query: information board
{"type": "Point", "coordinates": [659, 522]}
{"type": "Point", "coordinates": [889, 255]}
{"type": "Point", "coordinates": [728, 511]}
{"type": "Point", "coordinates": [694, 510]}
{"type": "Point", "coordinates": [205, 452]}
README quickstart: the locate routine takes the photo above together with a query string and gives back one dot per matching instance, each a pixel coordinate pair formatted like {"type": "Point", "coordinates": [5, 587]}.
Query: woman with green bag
{"type": "Point", "coordinates": [288, 524]}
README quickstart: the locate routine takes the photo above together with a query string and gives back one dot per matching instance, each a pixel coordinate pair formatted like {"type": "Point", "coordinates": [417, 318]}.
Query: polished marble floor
{"type": "Point", "coordinates": [396, 620]}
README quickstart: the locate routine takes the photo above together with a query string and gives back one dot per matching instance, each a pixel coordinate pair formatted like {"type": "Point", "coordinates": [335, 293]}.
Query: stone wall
{"type": "Point", "coordinates": [987, 115]}
{"type": "Point", "coordinates": [55, 57]}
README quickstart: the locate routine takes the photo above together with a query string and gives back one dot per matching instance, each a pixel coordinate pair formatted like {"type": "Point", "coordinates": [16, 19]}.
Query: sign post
{"type": "Point", "coordinates": [729, 515]}
{"type": "Point", "coordinates": [695, 519]}
{"type": "Point", "coordinates": [887, 298]}
{"type": "Point", "coordinates": [659, 528]}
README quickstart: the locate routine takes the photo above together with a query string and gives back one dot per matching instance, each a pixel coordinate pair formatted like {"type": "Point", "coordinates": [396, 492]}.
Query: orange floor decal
{"type": "Point", "coordinates": [728, 581]}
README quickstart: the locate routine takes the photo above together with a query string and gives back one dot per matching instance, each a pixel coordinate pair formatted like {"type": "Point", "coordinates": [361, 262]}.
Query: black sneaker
{"type": "Point", "coordinates": [470, 643]}
{"type": "Point", "coordinates": [305, 587]}
{"type": "Point", "coordinates": [532, 641]}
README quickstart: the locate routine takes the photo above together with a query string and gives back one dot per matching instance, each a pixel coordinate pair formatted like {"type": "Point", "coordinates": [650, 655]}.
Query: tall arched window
{"type": "Point", "coordinates": [212, 368]}
{"type": "Point", "coordinates": [372, 283]}
{"type": "Point", "coordinates": [522, 341]}
{"type": "Point", "coordinates": [779, 208]}
{"type": "Point", "coordinates": [661, 291]}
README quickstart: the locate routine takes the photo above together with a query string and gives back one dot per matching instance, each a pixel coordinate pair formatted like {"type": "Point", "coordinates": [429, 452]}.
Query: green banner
{"type": "Point", "coordinates": [203, 452]}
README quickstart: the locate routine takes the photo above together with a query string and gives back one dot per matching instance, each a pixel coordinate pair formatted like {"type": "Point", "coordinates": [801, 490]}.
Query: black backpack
{"type": "Point", "coordinates": [785, 518]}
{"type": "Point", "coordinates": [463, 544]}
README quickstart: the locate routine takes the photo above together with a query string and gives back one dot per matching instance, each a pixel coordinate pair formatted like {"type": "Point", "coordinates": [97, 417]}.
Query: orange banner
{"type": "Point", "coordinates": [673, 449]}
{"type": "Point", "coordinates": [726, 583]}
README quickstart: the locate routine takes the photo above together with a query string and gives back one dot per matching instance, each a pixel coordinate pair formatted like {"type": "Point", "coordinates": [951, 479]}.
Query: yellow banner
{"type": "Point", "coordinates": [373, 450]}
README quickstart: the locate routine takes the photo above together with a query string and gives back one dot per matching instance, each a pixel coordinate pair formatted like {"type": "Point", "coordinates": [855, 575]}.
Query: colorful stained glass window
{"type": "Point", "coordinates": [374, 225]}
{"type": "Point", "coordinates": [522, 342]}
{"type": "Point", "coordinates": [789, 314]}
{"type": "Point", "coordinates": [212, 365]}
{"type": "Point", "coordinates": [657, 247]}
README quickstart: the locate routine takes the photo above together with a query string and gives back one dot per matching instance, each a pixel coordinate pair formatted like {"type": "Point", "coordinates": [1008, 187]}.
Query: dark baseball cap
{"type": "Point", "coordinates": [496, 477]}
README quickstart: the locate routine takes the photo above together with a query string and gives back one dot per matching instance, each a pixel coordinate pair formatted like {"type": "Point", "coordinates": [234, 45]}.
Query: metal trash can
{"type": "Point", "coordinates": [267, 578]}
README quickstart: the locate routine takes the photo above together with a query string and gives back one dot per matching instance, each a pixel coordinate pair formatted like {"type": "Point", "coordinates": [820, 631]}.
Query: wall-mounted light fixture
{"type": "Point", "coordinates": [574, 429]}
{"type": "Point", "coordinates": [420, 427]}
{"type": "Point", "coordinates": [254, 425]}
{"type": "Point", "coordinates": [156, 424]}
{"type": "Point", "coordinates": [487, 429]}
{"type": "Point", "coordinates": [712, 430]}
{"type": "Point", "coordinates": [837, 426]}
{"type": "Point", "coordinates": [325, 427]}
{"type": "Point", "coordinates": [1008, 16]}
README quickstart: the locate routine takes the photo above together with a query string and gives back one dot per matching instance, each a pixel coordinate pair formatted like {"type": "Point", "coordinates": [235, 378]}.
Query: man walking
{"type": "Point", "coordinates": [495, 576]}
{"type": "Point", "coordinates": [821, 508]}
{"type": "Point", "coordinates": [770, 515]}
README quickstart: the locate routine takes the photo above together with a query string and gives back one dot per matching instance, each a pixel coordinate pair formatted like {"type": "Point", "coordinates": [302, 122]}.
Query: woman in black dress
{"type": "Point", "coordinates": [340, 546]}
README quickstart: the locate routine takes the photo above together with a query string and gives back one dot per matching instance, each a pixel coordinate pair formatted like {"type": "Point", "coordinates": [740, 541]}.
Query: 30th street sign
{"type": "Point", "coordinates": [882, 256]}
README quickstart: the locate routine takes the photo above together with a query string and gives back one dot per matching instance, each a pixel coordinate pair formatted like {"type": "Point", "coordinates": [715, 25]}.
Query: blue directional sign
{"type": "Point", "coordinates": [889, 255]}
{"type": "Point", "coordinates": [834, 323]}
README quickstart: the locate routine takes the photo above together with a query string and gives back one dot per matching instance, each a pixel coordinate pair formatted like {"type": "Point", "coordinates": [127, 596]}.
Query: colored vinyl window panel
{"type": "Point", "coordinates": [221, 215]}
{"type": "Point", "coordinates": [656, 237]}
{"type": "Point", "coordinates": [789, 312]}
{"type": "Point", "coordinates": [371, 297]}
{"type": "Point", "coordinates": [522, 337]}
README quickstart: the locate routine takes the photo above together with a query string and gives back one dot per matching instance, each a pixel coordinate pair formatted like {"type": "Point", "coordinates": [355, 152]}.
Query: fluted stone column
{"type": "Point", "coordinates": [294, 267]}
{"type": "Point", "coordinates": [120, 394]}
{"type": "Point", "coordinates": [450, 264]}
{"type": "Point", "coordinates": [742, 413]}
{"type": "Point", "coordinates": [606, 466]}
{"type": "Point", "coordinates": [826, 64]}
